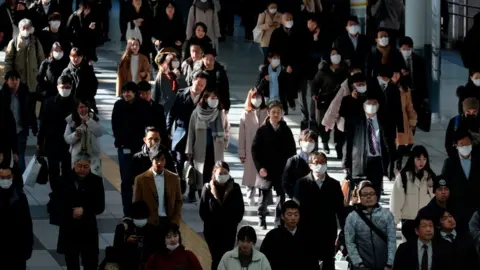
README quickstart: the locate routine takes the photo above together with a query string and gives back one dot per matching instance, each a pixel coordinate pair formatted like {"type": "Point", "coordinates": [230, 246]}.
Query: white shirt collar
{"type": "Point", "coordinates": [156, 174]}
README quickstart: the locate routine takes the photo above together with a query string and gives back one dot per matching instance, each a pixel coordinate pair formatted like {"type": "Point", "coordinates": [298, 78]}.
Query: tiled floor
{"type": "Point", "coordinates": [242, 61]}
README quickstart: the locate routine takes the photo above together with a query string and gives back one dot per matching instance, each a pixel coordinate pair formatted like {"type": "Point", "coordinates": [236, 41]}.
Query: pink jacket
{"type": "Point", "coordinates": [332, 115]}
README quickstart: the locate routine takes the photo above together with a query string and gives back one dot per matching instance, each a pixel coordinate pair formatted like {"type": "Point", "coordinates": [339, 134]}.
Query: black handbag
{"type": "Point", "coordinates": [42, 177]}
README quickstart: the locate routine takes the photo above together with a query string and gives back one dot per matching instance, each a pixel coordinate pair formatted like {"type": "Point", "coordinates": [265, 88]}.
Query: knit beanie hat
{"type": "Point", "coordinates": [470, 103]}
{"type": "Point", "coordinates": [439, 182]}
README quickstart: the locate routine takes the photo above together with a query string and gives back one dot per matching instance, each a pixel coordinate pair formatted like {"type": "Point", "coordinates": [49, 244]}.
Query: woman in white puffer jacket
{"type": "Point", "coordinates": [82, 134]}
{"type": "Point", "coordinates": [413, 189]}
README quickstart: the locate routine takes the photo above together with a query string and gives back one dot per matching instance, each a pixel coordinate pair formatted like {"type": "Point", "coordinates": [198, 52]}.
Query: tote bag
{"type": "Point", "coordinates": [133, 32]}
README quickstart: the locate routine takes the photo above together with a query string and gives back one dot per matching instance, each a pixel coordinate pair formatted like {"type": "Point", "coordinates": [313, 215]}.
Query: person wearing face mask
{"type": "Point", "coordinates": [81, 198]}
{"type": "Point", "coordinates": [14, 208]}
{"type": "Point", "coordinates": [11, 12]}
{"type": "Point", "coordinates": [297, 166]}
{"type": "Point", "coordinates": [50, 141]}
{"type": "Point", "coordinates": [133, 66]}
{"type": "Point", "coordinates": [389, 14]}
{"type": "Point", "coordinates": [469, 119]}
{"type": "Point", "coordinates": [135, 239]}
{"type": "Point", "coordinates": [168, 80]}
{"type": "Point", "coordinates": [412, 190]}
{"type": "Point", "coordinates": [207, 137]}
{"type": "Point", "coordinates": [321, 203]}
{"type": "Point", "coordinates": [366, 152]}
{"type": "Point", "coordinates": [386, 56]}
{"type": "Point", "coordinates": [50, 71]}
{"type": "Point", "coordinates": [270, 160]}
{"type": "Point", "coordinates": [54, 32]}
{"type": "Point", "coordinates": [273, 82]}
{"type": "Point", "coordinates": [172, 254]}
{"type": "Point", "coordinates": [325, 86]}
{"type": "Point", "coordinates": [24, 53]}
{"type": "Point", "coordinates": [81, 27]}
{"type": "Point", "coordinates": [268, 21]}
{"type": "Point", "coordinates": [221, 209]}
{"type": "Point", "coordinates": [460, 171]}
{"type": "Point", "coordinates": [471, 89]}
{"type": "Point", "coordinates": [39, 13]}
{"type": "Point", "coordinates": [206, 12]}
{"type": "Point", "coordinates": [252, 118]}
{"type": "Point", "coordinates": [352, 45]}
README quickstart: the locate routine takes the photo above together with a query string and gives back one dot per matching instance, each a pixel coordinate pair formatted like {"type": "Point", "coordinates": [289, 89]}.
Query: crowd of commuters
{"type": "Point", "coordinates": [172, 135]}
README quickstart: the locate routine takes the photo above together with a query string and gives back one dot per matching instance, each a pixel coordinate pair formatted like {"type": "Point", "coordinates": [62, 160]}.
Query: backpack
{"type": "Point", "coordinates": [456, 123]}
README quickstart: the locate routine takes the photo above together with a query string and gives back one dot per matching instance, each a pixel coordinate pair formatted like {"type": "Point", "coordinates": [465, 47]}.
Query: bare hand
{"type": "Point", "coordinates": [132, 239]}
{"type": "Point", "coordinates": [78, 133]}
{"type": "Point", "coordinates": [289, 69]}
{"type": "Point", "coordinates": [92, 26]}
{"type": "Point", "coordinates": [138, 22]}
{"type": "Point", "coordinates": [178, 43]}
{"type": "Point", "coordinates": [326, 129]}
{"type": "Point", "coordinates": [143, 75]}
{"type": "Point", "coordinates": [242, 159]}
{"type": "Point", "coordinates": [315, 98]}
{"type": "Point", "coordinates": [405, 72]}
{"type": "Point", "coordinates": [267, 78]}
{"type": "Point", "coordinates": [77, 212]}
{"type": "Point", "coordinates": [355, 94]}
{"type": "Point", "coordinates": [158, 42]}
{"type": "Point", "coordinates": [15, 157]}
{"type": "Point", "coordinates": [20, 7]}
{"type": "Point", "coordinates": [263, 172]}
{"type": "Point", "coordinates": [1, 36]}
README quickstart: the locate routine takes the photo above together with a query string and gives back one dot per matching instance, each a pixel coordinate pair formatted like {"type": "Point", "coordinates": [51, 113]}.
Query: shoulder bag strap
{"type": "Point", "coordinates": [372, 226]}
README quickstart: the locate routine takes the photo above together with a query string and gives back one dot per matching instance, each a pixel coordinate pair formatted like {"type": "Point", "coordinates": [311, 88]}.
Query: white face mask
{"type": "Point", "coordinates": [64, 92]}
{"type": "Point", "coordinates": [354, 29]}
{"type": "Point", "coordinates": [256, 102]}
{"type": "Point", "coordinates": [336, 58]}
{"type": "Point", "coordinates": [406, 53]}
{"type": "Point", "coordinates": [476, 82]}
{"type": "Point", "coordinates": [212, 103]}
{"type": "Point", "coordinates": [203, 1]}
{"type": "Point", "coordinates": [175, 64]}
{"type": "Point", "coordinates": [57, 55]}
{"type": "Point", "coordinates": [140, 223]}
{"type": "Point", "coordinates": [6, 183]}
{"type": "Point", "coordinates": [24, 33]}
{"type": "Point", "coordinates": [173, 247]}
{"type": "Point", "coordinates": [46, 3]}
{"type": "Point", "coordinates": [320, 169]}
{"type": "Point", "coordinates": [381, 81]}
{"type": "Point", "coordinates": [307, 147]}
{"type": "Point", "coordinates": [289, 24]}
{"type": "Point", "coordinates": [222, 178]}
{"type": "Point", "coordinates": [55, 24]}
{"type": "Point", "coordinates": [361, 89]}
{"type": "Point", "coordinates": [464, 150]}
{"type": "Point", "coordinates": [272, 10]}
{"type": "Point", "coordinates": [383, 41]}
{"type": "Point", "coordinates": [275, 62]}
{"type": "Point", "coordinates": [370, 109]}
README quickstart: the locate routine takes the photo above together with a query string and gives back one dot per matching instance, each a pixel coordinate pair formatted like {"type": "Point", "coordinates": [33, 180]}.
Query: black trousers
{"type": "Point", "coordinates": [226, 18]}
{"type": "Point", "coordinates": [104, 11]}
{"type": "Point", "coordinates": [249, 19]}
{"type": "Point", "coordinates": [339, 139]}
{"type": "Point", "coordinates": [402, 150]}
{"type": "Point", "coordinates": [265, 195]}
{"type": "Point", "coordinates": [219, 243]}
{"type": "Point", "coordinates": [89, 259]}
{"type": "Point", "coordinates": [124, 5]}
{"type": "Point", "coordinates": [374, 173]}
{"type": "Point", "coordinates": [60, 164]}
{"type": "Point", "coordinates": [13, 264]}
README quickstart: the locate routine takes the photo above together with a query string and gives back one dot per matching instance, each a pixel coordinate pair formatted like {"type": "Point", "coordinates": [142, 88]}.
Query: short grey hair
{"type": "Point", "coordinates": [82, 156]}
{"type": "Point", "coordinates": [25, 22]}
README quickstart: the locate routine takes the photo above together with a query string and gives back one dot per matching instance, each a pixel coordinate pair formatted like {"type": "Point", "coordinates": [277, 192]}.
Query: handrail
{"type": "Point", "coordinates": [458, 8]}
{"type": "Point", "coordinates": [460, 15]}
{"type": "Point", "coordinates": [462, 5]}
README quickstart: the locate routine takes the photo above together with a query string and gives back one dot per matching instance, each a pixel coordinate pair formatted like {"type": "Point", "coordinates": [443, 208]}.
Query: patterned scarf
{"type": "Point", "coordinates": [210, 118]}
{"type": "Point", "coordinates": [173, 80]}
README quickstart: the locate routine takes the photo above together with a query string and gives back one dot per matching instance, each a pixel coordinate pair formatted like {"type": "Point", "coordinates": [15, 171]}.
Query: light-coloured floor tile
{"type": "Point", "coordinates": [108, 237]}
{"type": "Point", "coordinates": [41, 258]}
{"type": "Point", "coordinates": [46, 233]}
{"type": "Point", "coordinates": [113, 197]}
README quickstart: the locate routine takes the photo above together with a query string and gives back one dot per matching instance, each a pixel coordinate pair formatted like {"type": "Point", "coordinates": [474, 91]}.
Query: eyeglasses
{"type": "Point", "coordinates": [80, 166]}
{"type": "Point", "coordinates": [370, 194]}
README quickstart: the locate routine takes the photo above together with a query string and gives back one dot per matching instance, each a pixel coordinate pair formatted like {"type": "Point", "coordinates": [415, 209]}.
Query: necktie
{"type": "Point", "coordinates": [424, 265]}
{"type": "Point", "coordinates": [451, 237]}
{"type": "Point", "coordinates": [372, 138]}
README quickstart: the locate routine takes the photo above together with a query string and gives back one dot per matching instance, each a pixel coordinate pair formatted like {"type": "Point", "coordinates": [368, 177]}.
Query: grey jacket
{"type": "Point", "coordinates": [364, 245]}
{"type": "Point", "coordinates": [474, 226]}
{"type": "Point", "coordinates": [394, 10]}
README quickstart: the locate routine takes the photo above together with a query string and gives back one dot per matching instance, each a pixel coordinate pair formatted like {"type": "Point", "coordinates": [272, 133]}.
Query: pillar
{"type": "Point", "coordinates": [416, 18]}
{"type": "Point", "coordinates": [359, 9]}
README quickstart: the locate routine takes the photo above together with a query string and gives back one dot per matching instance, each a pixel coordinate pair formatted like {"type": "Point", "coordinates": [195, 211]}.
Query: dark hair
{"type": "Point", "coordinates": [274, 104]}
{"type": "Point", "coordinates": [140, 210]}
{"type": "Point", "coordinates": [247, 233]}
{"type": "Point", "coordinates": [421, 217]}
{"type": "Point", "coordinates": [157, 153]}
{"type": "Point", "coordinates": [381, 29]}
{"type": "Point", "coordinates": [315, 154]}
{"type": "Point", "coordinates": [273, 54]}
{"type": "Point", "coordinates": [313, 18]}
{"type": "Point", "coordinates": [462, 132]}
{"type": "Point", "coordinates": [170, 228]}
{"type": "Point", "coordinates": [151, 129]}
{"type": "Point", "coordinates": [208, 51]}
{"type": "Point", "coordinates": [363, 184]}
{"type": "Point", "coordinates": [200, 24]}
{"type": "Point", "coordinates": [416, 152]}
{"type": "Point", "coordinates": [220, 164]}
{"type": "Point", "coordinates": [12, 73]}
{"type": "Point", "coordinates": [200, 74]}
{"type": "Point", "coordinates": [76, 51]}
{"type": "Point", "coordinates": [205, 95]}
{"type": "Point", "coordinates": [144, 86]}
{"type": "Point", "coordinates": [353, 19]}
{"type": "Point", "coordinates": [308, 134]}
{"type": "Point", "coordinates": [76, 117]}
{"type": "Point", "coordinates": [130, 86]}
{"type": "Point", "coordinates": [64, 79]}
{"type": "Point", "coordinates": [357, 77]}
{"type": "Point", "coordinates": [291, 204]}
{"type": "Point", "coordinates": [55, 16]}
{"type": "Point", "coordinates": [406, 41]}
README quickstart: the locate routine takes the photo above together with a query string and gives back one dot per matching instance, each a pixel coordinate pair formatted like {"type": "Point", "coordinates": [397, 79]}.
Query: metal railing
{"type": "Point", "coordinates": [459, 19]}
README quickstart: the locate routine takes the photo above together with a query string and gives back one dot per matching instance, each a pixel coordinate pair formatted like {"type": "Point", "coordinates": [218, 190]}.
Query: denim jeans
{"type": "Point", "coordinates": [125, 162]}
{"type": "Point", "coordinates": [22, 147]}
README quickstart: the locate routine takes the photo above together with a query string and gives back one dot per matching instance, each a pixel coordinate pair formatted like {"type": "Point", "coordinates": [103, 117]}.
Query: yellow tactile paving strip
{"type": "Point", "coordinates": [191, 239]}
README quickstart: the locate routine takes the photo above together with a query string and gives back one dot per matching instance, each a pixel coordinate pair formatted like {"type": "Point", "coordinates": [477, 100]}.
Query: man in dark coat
{"type": "Point", "coordinates": [286, 247]}
{"type": "Point", "coordinates": [82, 198]}
{"type": "Point", "coordinates": [321, 204]}
{"type": "Point", "coordinates": [39, 13]}
{"type": "Point", "coordinates": [462, 172]}
{"type": "Point", "coordinates": [16, 224]}
{"type": "Point", "coordinates": [156, 112]}
{"type": "Point", "coordinates": [469, 52]}
{"type": "Point", "coordinates": [438, 203]}
{"type": "Point", "coordinates": [425, 252]}
{"type": "Point", "coordinates": [366, 151]}
{"type": "Point", "coordinates": [353, 46]}
{"type": "Point", "coordinates": [179, 117]}
{"type": "Point", "coordinates": [50, 142]}
{"type": "Point", "coordinates": [386, 56]}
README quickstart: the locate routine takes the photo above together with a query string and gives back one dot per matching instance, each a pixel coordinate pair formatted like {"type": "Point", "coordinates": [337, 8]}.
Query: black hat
{"type": "Point", "coordinates": [64, 79]}
{"type": "Point", "coordinates": [130, 86]}
{"type": "Point", "coordinates": [438, 182]}
{"type": "Point", "coordinates": [12, 74]}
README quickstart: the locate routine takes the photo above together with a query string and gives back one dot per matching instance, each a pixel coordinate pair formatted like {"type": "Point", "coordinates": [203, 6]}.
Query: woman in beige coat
{"type": "Point", "coordinates": [252, 118]}
{"type": "Point", "coordinates": [268, 21]}
{"type": "Point", "coordinates": [133, 66]}
{"type": "Point", "coordinates": [207, 137]}
{"type": "Point", "coordinates": [207, 13]}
